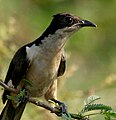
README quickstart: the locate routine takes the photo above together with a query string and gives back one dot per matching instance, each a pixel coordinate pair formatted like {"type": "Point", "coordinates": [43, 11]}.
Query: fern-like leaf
{"type": "Point", "coordinates": [107, 117]}
{"type": "Point", "coordinates": [101, 107]}
{"type": "Point", "coordinates": [66, 117]}
{"type": "Point", "coordinates": [110, 113]}
{"type": "Point", "coordinates": [13, 98]}
{"type": "Point", "coordinates": [91, 99]}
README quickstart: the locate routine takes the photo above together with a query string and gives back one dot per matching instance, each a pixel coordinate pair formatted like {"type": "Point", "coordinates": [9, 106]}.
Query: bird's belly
{"type": "Point", "coordinates": [41, 73]}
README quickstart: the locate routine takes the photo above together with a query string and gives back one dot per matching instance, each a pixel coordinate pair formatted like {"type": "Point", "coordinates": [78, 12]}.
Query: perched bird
{"type": "Point", "coordinates": [41, 62]}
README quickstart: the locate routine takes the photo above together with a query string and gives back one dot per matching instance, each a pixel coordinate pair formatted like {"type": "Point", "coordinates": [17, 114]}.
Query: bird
{"type": "Point", "coordinates": [42, 62]}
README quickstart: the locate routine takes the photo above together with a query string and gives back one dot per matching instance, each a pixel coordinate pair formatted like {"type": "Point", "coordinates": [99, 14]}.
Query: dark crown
{"type": "Point", "coordinates": [61, 20]}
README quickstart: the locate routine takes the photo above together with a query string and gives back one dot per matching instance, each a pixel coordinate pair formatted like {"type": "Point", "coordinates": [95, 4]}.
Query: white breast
{"type": "Point", "coordinates": [45, 61]}
{"type": "Point", "coordinates": [43, 69]}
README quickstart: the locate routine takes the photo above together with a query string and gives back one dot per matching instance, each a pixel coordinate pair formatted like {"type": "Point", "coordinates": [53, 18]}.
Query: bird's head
{"type": "Point", "coordinates": [68, 23]}
{"type": "Point", "coordinates": [64, 25]}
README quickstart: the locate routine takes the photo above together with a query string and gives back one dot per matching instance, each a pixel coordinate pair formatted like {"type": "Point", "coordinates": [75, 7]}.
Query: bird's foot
{"type": "Point", "coordinates": [22, 96]}
{"type": "Point", "coordinates": [62, 107]}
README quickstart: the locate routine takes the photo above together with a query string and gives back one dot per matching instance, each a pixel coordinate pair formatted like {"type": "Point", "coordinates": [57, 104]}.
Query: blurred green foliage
{"type": "Point", "coordinates": [91, 53]}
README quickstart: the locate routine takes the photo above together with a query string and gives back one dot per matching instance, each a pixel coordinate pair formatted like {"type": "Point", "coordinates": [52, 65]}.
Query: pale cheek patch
{"type": "Point", "coordinates": [10, 84]}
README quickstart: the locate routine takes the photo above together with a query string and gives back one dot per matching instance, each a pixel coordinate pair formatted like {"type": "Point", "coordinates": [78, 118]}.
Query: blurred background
{"type": "Point", "coordinates": [91, 52]}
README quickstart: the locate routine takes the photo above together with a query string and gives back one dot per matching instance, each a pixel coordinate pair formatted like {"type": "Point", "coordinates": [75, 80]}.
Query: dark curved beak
{"type": "Point", "coordinates": [85, 23]}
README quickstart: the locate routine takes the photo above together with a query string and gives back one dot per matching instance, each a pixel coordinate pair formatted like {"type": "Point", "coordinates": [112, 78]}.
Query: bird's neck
{"type": "Point", "coordinates": [52, 43]}
{"type": "Point", "coordinates": [50, 48]}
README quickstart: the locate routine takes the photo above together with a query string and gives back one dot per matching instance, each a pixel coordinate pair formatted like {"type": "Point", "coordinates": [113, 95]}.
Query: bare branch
{"type": "Point", "coordinates": [6, 87]}
{"type": "Point", "coordinates": [42, 104]}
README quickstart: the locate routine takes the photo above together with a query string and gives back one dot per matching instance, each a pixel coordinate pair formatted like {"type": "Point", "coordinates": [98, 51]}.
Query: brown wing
{"type": "Point", "coordinates": [17, 70]}
{"type": "Point", "coordinates": [62, 66]}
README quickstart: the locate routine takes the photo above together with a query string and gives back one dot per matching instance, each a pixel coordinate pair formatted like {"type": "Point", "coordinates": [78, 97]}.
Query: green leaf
{"type": "Point", "coordinates": [91, 99]}
{"type": "Point", "coordinates": [17, 98]}
{"type": "Point", "coordinates": [21, 95]}
{"type": "Point", "coordinates": [13, 98]}
{"type": "Point", "coordinates": [101, 107]}
{"type": "Point", "coordinates": [65, 117]}
{"type": "Point", "coordinates": [107, 117]}
{"type": "Point", "coordinates": [110, 113]}
{"type": "Point", "coordinates": [28, 82]}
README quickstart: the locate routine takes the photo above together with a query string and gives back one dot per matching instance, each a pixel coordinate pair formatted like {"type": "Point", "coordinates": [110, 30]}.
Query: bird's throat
{"type": "Point", "coordinates": [53, 43]}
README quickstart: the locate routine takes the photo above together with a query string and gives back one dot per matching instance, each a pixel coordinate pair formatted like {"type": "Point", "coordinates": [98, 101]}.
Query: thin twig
{"type": "Point", "coordinates": [44, 105]}
{"type": "Point", "coordinates": [6, 87]}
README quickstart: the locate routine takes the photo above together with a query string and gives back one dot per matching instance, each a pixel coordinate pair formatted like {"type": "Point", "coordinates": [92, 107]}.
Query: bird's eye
{"type": "Point", "coordinates": [69, 20]}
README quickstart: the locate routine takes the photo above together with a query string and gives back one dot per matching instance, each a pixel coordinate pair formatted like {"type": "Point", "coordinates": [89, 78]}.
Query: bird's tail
{"type": "Point", "coordinates": [11, 113]}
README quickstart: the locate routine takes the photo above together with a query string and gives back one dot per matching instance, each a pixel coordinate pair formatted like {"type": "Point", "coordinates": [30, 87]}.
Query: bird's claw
{"type": "Point", "coordinates": [62, 107]}
{"type": "Point", "coordinates": [22, 96]}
